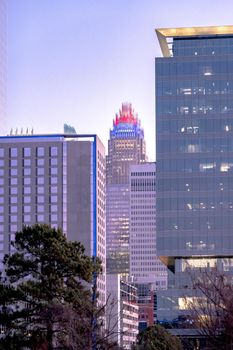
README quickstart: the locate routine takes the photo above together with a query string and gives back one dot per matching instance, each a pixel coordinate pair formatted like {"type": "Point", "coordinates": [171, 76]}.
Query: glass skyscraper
{"type": "Point", "coordinates": [194, 123]}
{"type": "Point", "coordinates": [126, 146]}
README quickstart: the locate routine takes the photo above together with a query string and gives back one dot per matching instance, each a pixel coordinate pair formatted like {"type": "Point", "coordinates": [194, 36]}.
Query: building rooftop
{"type": "Point", "coordinates": [166, 34]}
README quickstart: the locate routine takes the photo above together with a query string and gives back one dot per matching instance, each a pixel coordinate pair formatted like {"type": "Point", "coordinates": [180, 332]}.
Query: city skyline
{"type": "Point", "coordinates": [77, 61]}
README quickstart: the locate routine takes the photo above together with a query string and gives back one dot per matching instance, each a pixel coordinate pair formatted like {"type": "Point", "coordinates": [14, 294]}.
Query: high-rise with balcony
{"type": "Point", "coordinates": [57, 180]}
{"type": "Point", "coordinates": [194, 113]}
{"type": "Point", "coordinates": [3, 65]}
{"type": "Point", "coordinates": [126, 146]}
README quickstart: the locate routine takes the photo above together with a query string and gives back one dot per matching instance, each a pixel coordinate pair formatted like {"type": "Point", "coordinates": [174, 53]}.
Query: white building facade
{"type": "Point", "coordinates": [122, 316]}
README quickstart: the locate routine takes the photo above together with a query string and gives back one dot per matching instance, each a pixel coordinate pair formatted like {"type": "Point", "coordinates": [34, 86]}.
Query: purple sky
{"type": "Point", "coordinates": [75, 61]}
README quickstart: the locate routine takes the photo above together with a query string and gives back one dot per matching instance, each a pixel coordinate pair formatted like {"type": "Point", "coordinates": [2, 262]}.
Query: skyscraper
{"type": "Point", "coordinates": [145, 267]}
{"type": "Point", "coordinates": [126, 146]}
{"type": "Point", "coordinates": [58, 180]}
{"type": "Point", "coordinates": [194, 105]}
{"type": "Point", "coordinates": [3, 65]}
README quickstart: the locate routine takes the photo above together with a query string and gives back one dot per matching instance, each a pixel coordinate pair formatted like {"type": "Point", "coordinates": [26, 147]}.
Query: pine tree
{"type": "Point", "coordinates": [45, 297]}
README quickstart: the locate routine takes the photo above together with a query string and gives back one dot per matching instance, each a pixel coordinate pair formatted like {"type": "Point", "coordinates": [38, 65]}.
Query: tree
{"type": "Point", "coordinates": [157, 338]}
{"type": "Point", "coordinates": [211, 306]}
{"type": "Point", "coordinates": [45, 297]}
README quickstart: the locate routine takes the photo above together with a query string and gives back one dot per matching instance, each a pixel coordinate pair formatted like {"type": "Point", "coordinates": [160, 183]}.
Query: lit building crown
{"type": "Point", "coordinates": [126, 121]}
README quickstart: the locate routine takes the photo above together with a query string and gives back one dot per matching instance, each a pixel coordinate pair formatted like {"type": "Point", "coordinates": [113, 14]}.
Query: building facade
{"type": "Point", "coordinates": [57, 180]}
{"type": "Point", "coordinates": [194, 123]}
{"type": "Point", "coordinates": [126, 146]}
{"type": "Point", "coordinates": [145, 267]}
{"type": "Point", "coordinates": [3, 66]}
{"type": "Point", "coordinates": [123, 315]}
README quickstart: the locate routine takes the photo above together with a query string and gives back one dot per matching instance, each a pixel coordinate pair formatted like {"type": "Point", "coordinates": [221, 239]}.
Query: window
{"type": "Point", "coordinates": [53, 180]}
{"type": "Point", "coordinates": [53, 189]}
{"type": "Point", "coordinates": [53, 171]}
{"type": "Point", "coordinates": [27, 181]}
{"type": "Point", "coordinates": [40, 162]}
{"type": "Point", "coordinates": [53, 208]}
{"type": "Point", "coordinates": [40, 181]}
{"type": "Point", "coordinates": [13, 200]}
{"type": "Point", "coordinates": [27, 209]}
{"type": "Point", "coordinates": [27, 190]}
{"type": "Point", "coordinates": [26, 162]}
{"type": "Point", "coordinates": [53, 151]}
{"type": "Point", "coordinates": [40, 208]}
{"type": "Point", "coordinates": [1, 172]}
{"type": "Point", "coordinates": [13, 181]}
{"type": "Point", "coordinates": [40, 199]}
{"type": "Point", "coordinates": [40, 171]}
{"type": "Point", "coordinates": [13, 162]}
{"type": "Point", "coordinates": [27, 199]}
{"type": "Point", "coordinates": [40, 190]}
{"type": "Point", "coordinates": [40, 218]}
{"type": "Point", "coordinates": [13, 228]}
{"type": "Point", "coordinates": [2, 230]}
{"type": "Point", "coordinates": [1, 152]}
{"type": "Point", "coordinates": [1, 162]}
{"type": "Point", "coordinates": [40, 151]}
{"type": "Point", "coordinates": [13, 218]}
{"type": "Point", "coordinates": [1, 190]}
{"type": "Point", "coordinates": [54, 217]}
{"type": "Point", "coordinates": [13, 172]}
{"type": "Point", "coordinates": [26, 171]}
{"type": "Point", "coordinates": [13, 190]}
{"type": "Point", "coordinates": [1, 181]}
{"type": "Point", "coordinates": [27, 152]}
{"type": "Point", "coordinates": [53, 161]}
{"type": "Point", "coordinates": [13, 209]}
{"type": "Point", "coordinates": [1, 200]}
{"type": "Point", "coordinates": [53, 199]}
{"type": "Point", "coordinates": [13, 152]}
{"type": "Point", "coordinates": [27, 218]}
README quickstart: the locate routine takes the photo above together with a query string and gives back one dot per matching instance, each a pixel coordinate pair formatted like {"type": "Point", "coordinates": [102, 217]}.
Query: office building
{"type": "Point", "coordinates": [145, 267]}
{"type": "Point", "coordinates": [194, 123]}
{"type": "Point", "coordinates": [3, 66]}
{"type": "Point", "coordinates": [126, 146]}
{"type": "Point", "coordinates": [57, 180]}
{"type": "Point", "coordinates": [122, 316]}
{"type": "Point", "coordinates": [147, 271]}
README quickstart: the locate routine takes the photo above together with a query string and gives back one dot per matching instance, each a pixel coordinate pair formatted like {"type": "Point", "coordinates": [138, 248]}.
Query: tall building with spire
{"type": "Point", "coordinates": [3, 65]}
{"type": "Point", "coordinates": [126, 146]}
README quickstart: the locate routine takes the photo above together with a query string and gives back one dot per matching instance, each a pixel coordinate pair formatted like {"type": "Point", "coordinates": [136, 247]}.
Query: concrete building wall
{"type": "Point", "coordinates": [55, 180]}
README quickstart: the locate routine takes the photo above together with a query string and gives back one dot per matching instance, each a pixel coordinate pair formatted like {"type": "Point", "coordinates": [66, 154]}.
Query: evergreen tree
{"type": "Point", "coordinates": [157, 338]}
{"type": "Point", "coordinates": [45, 296]}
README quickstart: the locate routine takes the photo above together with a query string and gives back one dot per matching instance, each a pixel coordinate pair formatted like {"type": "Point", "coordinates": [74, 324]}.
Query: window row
{"type": "Point", "coordinates": [27, 151]}
{"type": "Point", "coordinates": [28, 217]}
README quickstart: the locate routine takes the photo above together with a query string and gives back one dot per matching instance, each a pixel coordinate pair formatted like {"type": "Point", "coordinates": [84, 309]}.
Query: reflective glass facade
{"type": "Point", "coordinates": [194, 91]}
{"type": "Point", "coordinates": [194, 121]}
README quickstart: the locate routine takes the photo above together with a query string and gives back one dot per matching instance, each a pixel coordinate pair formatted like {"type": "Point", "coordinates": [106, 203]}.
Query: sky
{"type": "Point", "coordinates": [76, 61]}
